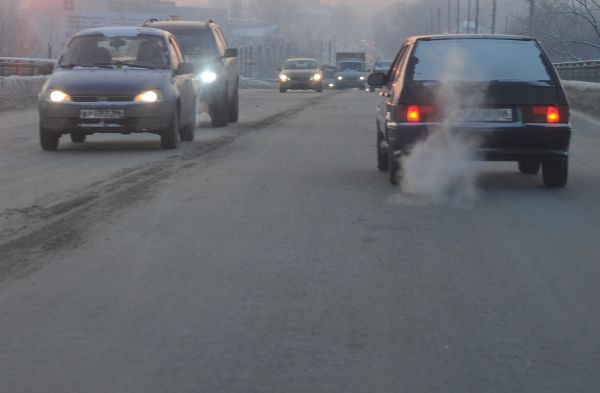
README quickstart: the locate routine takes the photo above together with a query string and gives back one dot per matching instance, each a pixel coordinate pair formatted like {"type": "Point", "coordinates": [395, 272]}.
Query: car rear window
{"type": "Point", "coordinates": [479, 60]}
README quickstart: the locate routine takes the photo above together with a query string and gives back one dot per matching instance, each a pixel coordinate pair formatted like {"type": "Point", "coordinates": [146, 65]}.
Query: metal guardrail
{"type": "Point", "coordinates": [587, 71]}
{"type": "Point", "coordinates": [14, 66]}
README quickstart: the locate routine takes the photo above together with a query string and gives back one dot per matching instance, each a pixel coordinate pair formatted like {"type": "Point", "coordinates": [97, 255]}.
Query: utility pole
{"type": "Point", "coordinates": [457, 16]}
{"type": "Point", "coordinates": [449, 14]}
{"type": "Point", "coordinates": [469, 17]}
{"type": "Point", "coordinates": [431, 24]}
{"type": "Point", "coordinates": [476, 16]}
{"type": "Point", "coordinates": [531, 16]}
{"type": "Point", "coordinates": [439, 15]}
{"type": "Point", "coordinates": [494, 14]}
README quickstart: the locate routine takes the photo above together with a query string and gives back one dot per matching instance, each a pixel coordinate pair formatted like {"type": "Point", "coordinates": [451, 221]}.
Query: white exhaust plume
{"type": "Point", "coordinates": [442, 168]}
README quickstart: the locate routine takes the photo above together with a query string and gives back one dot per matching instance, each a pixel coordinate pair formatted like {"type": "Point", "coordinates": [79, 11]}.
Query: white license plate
{"type": "Point", "coordinates": [101, 113]}
{"type": "Point", "coordinates": [483, 115]}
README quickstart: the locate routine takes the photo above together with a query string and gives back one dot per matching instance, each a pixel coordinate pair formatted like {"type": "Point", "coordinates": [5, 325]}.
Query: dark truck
{"type": "Point", "coordinates": [351, 70]}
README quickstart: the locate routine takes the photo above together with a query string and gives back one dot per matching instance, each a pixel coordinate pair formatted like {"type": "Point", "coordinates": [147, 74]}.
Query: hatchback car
{"type": "Point", "coordinates": [301, 74]}
{"type": "Point", "coordinates": [508, 98]}
{"type": "Point", "coordinates": [119, 80]}
{"type": "Point", "coordinates": [204, 44]}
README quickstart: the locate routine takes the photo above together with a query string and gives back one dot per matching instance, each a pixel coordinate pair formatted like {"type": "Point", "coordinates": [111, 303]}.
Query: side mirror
{"type": "Point", "coordinates": [377, 79]}
{"type": "Point", "coordinates": [46, 69]}
{"type": "Point", "coordinates": [186, 68]}
{"type": "Point", "coordinates": [230, 53]}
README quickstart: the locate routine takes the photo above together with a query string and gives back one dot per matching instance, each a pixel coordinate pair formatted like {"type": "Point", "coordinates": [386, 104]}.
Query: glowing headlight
{"type": "Point", "coordinates": [148, 96]}
{"type": "Point", "coordinates": [59, 96]}
{"type": "Point", "coordinates": [317, 77]}
{"type": "Point", "coordinates": [208, 77]}
{"type": "Point", "coordinates": [362, 78]}
{"type": "Point", "coordinates": [283, 78]}
{"type": "Point", "coordinates": [331, 85]}
{"type": "Point", "coordinates": [340, 78]}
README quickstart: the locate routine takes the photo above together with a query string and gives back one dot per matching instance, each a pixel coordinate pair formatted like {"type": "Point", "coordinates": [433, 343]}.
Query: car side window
{"type": "Point", "coordinates": [176, 57]}
{"type": "Point", "coordinates": [396, 67]}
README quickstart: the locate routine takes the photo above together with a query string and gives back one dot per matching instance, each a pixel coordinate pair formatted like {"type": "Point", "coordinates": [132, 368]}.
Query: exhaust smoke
{"type": "Point", "coordinates": [442, 168]}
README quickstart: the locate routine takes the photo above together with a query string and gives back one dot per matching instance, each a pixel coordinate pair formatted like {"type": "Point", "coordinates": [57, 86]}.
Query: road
{"type": "Point", "coordinates": [271, 256]}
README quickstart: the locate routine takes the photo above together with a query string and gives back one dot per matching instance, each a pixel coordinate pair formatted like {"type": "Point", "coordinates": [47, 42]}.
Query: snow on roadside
{"type": "Point", "coordinates": [253, 83]}
{"type": "Point", "coordinates": [583, 96]}
{"type": "Point", "coordinates": [18, 92]}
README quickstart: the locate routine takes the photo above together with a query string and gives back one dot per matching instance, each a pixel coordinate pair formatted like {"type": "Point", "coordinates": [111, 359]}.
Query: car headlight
{"type": "Point", "coordinates": [283, 78]}
{"type": "Point", "coordinates": [208, 77]}
{"type": "Point", "coordinates": [331, 85]}
{"type": "Point", "coordinates": [59, 96]}
{"type": "Point", "coordinates": [149, 96]}
{"type": "Point", "coordinates": [317, 77]}
{"type": "Point", "coordinates": [340, 78]}
{"type": "Point", "coordinates": [362, 78]}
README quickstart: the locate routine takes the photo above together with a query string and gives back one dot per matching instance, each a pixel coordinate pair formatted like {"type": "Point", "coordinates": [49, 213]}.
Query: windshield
{"type": "Point", "coordinates": [300, 65]}
{"type": "Point", "coordinates": [97, 50]}
{"type": "Point", "coordinates": [480, 60]}
{"type": "Point", "coordinates": [197, 43]}
{"type": "Point", "coordinates": [351, 66]}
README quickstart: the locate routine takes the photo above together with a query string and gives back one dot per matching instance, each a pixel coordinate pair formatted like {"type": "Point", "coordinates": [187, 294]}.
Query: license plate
{"type": "Point", "coordinates": [483, 115]}
{"type": "Point", "coordinates": [101, 113]}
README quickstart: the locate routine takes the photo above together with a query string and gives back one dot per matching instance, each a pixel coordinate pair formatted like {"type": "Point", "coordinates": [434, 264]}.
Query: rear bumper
{"type": "Point", "coordinates": [138, 117]}
{"type": "Point", "coordinates": [509, 143]}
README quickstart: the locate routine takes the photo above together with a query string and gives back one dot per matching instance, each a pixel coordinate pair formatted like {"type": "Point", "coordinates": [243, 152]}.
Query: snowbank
{"type": "Point", "coordinates": [18, 92]}
{"type": "Point", "coordinates": [252, 83]}
{"type": "Point", "coordinates": [584, 96]}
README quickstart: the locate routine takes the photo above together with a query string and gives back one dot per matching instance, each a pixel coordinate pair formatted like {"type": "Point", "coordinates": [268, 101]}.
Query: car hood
{"type": "Point", "coordinates": [106, 81]}
{"type": "Point", "coordinates": [292, 73]}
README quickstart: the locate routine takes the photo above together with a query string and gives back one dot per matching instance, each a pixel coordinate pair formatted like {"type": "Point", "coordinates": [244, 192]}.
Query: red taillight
{"type": "Point", "coordinates": [415, 113]}
{"type": "Point", "coordinates": [546, 114]}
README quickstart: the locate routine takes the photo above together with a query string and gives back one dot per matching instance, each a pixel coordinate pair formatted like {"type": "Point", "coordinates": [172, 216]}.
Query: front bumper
{"type": "Point", "coordinates": [300, 84]}
{"type": "Point", "coordinates": [65, 118]}
{"type": "Point", "coordinates": [349, 83]}
{"type": "Point", "coordinates": [492, 143]}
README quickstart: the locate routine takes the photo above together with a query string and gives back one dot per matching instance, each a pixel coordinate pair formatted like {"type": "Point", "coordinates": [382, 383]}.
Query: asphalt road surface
{"type": "Point", "coordinates": [271, 256]}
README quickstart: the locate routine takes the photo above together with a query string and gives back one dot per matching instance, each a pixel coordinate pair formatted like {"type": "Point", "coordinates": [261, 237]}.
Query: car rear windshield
{"type": "Point", "coordinates": [479, 60]}
{"type": "Point", "coordinates": [197, 43]}
{"type": "Point", "coordinates": [300, 65]}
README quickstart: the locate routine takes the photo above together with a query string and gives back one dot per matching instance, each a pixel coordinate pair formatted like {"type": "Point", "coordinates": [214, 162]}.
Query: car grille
{"type": "Point", "coordinates": [300, 78]}
{"type": "Point", "coordinates": [102, 98]}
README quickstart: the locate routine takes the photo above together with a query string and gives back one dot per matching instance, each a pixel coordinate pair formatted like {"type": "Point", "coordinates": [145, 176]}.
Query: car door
{"type": "Point", "coordinates": [185, 84]}
{"type": "Point", "coordinates": [229, 64]}
{"type": "Point", "coordinates": [385, 101]}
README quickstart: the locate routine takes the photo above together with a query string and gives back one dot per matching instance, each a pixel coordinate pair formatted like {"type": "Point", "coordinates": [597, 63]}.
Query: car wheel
{"type": "Point", "coordinates": [393, 167]}
{"type": "Point", "coordinates": [234, 108]}
{"type": "Point", "coordinates": [48, 140]}
{"type": "Point", "coordinates": [555, 172]}
{"type": "Point", "coordinates": [78, 137]}
{"type": "Point", "coordinates": [319, 89]}
{"type": "Point", "coordinates": [529, 167]}
{"type": "Point", "coordinates": [220, 112]}
{"type": "Point", "coordinates": [188, 133]}
{"type": "Point", "coordinates": [382, 158]}
{"type": "Point", "coordinates": [169, 138]}
{"type": "Point", "coordinates": [282, 90]}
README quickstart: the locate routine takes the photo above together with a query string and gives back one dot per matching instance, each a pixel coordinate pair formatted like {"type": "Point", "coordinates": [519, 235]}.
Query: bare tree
{"type": "Point", "coordinates": [15, 36]}
{"type": "Point", "coordinates": [276, 12]}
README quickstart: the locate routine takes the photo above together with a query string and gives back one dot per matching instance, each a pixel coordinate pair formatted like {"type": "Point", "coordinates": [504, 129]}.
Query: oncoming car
{"type": "Point", "coordinates": [499, 92]}
{"type": "Point", "coordinates": [301, 74]}
{"type": "Point", "coordinates": [119, 80]}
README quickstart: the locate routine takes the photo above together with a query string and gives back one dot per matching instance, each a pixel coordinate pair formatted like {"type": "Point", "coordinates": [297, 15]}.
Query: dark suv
{"type": "Point", "coordinates": [500, 93]}
{"type": "Point", "coordinates": [205, 46]}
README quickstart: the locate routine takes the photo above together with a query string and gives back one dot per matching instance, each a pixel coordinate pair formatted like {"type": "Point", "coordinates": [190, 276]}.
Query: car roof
{"type": "Point", "coordinates": [172, 25]}
{"type": "Point", "coordinates": [123, 31]}
{"type": "Point", "coordinates": [439, 37]}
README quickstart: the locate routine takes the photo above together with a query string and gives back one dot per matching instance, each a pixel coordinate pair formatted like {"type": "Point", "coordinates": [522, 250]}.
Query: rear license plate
{"type": "Point", "coordinates": [101, 113]}
{"type": "Point", "coordinates": [483, 115]}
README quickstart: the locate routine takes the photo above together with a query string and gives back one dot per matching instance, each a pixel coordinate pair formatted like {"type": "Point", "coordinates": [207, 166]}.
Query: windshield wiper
{"type": "Point", "coordinates": [75, 65]}
{"type": "Point", "coordinates": [125, 64]}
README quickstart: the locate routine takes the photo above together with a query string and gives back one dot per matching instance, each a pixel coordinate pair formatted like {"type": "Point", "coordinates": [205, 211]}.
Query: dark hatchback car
{"type": "Point", "coordinates": [301, 74]}
{"type": "Point", "coordinates": [119, 80]}
{"type": "Point", "coordinates": [506, 96]}
{"type": "Point", "coordinates": [204, 45]}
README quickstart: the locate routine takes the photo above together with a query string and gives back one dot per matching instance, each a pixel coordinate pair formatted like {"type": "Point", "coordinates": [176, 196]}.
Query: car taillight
{"type": "Point", "coordinates": [546, 114]}
{"type": "Point", "coordinates": [415, 113]}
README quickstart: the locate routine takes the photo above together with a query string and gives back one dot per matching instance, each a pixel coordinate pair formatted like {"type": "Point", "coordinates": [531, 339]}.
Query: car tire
{"type": "Point", "coordinates": [48, 140]}
{"type": "Point", "coordinates": [393, 168]}
{"type": "Point", "coordinates": [319, 89]}
{"type": "Point", "coordinates": [188, 133]}
{"type": "Point", "coordinates": [220, 112]}
{"type": "Point", "coordinates": [382, 158]}
{"type": "Point", "coordinates": [555, 172]}
{"type": "Point", "coordinates": [529, 167]}
{"type": "Point", "coordinates": [282, 90]}
{"type": "Point", "coordinates": [234, 107]}
{"type": "Point", "coordinates": [77, 137]}
{"type": "Point", "coordinates": [169, 138]}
